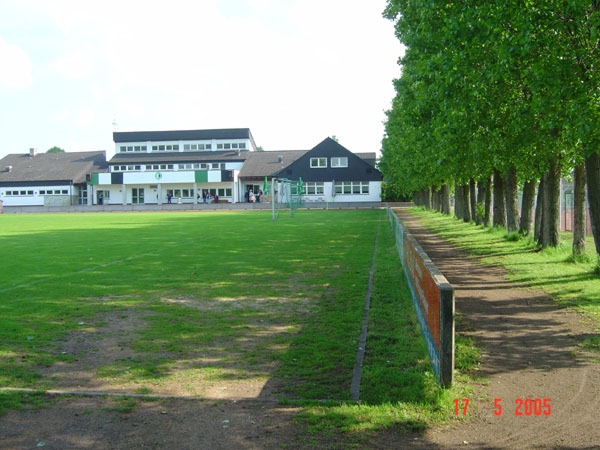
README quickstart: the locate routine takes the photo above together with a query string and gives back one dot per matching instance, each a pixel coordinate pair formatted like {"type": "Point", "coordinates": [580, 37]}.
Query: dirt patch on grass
{"type": "Point", "coordinates": [530, 351]}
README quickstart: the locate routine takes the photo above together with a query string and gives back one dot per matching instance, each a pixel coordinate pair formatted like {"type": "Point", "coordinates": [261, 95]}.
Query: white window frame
{"type": "Point", "coordinates": [318, 163]}
{"type": "Point", "coordinates": [314, 188]}
{"type": "Point", "coordinates": [351, 187]}
{"type": "Point", "coordinates": [339, 162]}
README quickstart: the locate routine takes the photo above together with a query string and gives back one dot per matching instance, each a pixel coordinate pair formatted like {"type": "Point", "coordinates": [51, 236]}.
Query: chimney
{"type": "Point", "coordinates": [8, 168]}
{"type": "Point", "coordinates": [32, 152]}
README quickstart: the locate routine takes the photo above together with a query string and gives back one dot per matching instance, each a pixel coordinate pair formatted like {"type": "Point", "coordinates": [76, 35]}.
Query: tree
{"type": "Point", "coordinates": [578, 248]}
{"type": "Point", "coordinates": [55, 150]}
{"type": "Point", "coordinates": [509, 88]}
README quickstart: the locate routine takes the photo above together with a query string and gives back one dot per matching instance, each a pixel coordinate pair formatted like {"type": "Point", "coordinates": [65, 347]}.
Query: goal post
{"type": "Point", "coordinates": [286, 194]}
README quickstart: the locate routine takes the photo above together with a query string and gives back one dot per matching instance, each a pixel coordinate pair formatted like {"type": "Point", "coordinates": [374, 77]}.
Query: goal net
{"type": "Point", "coordinates": [286, 195]}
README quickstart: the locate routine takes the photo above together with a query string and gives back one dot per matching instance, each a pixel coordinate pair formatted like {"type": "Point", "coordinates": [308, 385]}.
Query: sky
{"type": "Point", "coordinates": [292, 71]}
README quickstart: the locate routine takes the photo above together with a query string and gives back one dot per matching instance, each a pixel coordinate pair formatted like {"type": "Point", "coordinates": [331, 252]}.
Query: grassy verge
{"type": "Point", "coordinates": [572, 284]}
{"type": "Point", "coordinates": [398, 390]}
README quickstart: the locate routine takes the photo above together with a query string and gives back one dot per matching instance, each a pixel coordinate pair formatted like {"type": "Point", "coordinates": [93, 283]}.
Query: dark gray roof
{"type": "Point", "coordinates": [261, 164]}
{"type": "Point", "coordinates": [64, 167]}
{"type": "Point", "coordinates": [179, 157]}
{"type": "Point", "coordinates": [183, 135]}
{"type": "Point", "coordinates": [369, 157]}
{"type": "Point", "coordinates": [358, 168]}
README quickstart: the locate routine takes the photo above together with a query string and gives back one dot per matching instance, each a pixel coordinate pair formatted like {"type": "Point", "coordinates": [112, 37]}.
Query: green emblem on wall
{"type": "Point", "coordinates": [158, 175]}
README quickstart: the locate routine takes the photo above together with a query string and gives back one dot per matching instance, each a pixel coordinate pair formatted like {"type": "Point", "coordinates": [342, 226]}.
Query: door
{"type": "Point", "coordinates": [137, 195]}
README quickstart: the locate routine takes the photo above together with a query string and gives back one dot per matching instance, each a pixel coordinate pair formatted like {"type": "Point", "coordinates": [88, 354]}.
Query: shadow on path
{"type": "Point", "coordinates": [529, 350]}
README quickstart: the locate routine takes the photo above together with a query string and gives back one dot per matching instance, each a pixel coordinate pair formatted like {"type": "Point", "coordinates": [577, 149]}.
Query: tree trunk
{"type": "Point", "coordinates": [578, 247]}
{"type": "Point", "coordinates": [487, 215]}
{"type": "Point", "coordinates": [481, 185]}
{"type": "Point", "coordinates": [435, 199]}
{"type": "Point", "coordinates": [427, 194]}
{"type": "Point", "coordinates": [466, 210]}
{"type": "Point", "coordinates": [512, 200]}
{"type": "Point", "coordinates": [473, 198]}
{"type": "Point", "coordinates": [445, 198]}
{"type": "Point", "coordinates": [592, 172]}
{"type": "Point", "coordinates": [539, 212]}
{"type": "Point", "coordinates": [458, 201]}
{"type": "Point", "coordinates": [527, 205]}
{"type": "Point", "coordinates": [551, 206]}
{"type": "Point", "coordinates": [499, 219]}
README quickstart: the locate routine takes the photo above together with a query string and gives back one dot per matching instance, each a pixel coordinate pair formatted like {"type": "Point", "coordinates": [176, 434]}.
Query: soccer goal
{"type": "Point", "coordinates": [286, 194]}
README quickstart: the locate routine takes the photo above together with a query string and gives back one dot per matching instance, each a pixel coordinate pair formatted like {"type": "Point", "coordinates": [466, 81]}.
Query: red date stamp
{"type": "Point", "coordinates": [523, 407]}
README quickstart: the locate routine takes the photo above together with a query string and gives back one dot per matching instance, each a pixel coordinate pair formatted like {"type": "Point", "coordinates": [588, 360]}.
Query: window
{"type": "Point", "coordinates": [20, 193]}
{"type": "Point", "coordinates": [339, 162]}
{"type": "Point", "coordinates": [181, 193]}
{"type": "Point", "coordinates": [317, 188]}
{"type": "Point", "coordinates": [351, 187]}
{"type": "Point", "coordinates": [318, 163]}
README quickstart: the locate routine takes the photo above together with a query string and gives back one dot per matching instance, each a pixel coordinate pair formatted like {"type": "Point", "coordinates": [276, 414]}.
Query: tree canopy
{"type": "Point", "coordinates": [55, 149]}
{"type": "Point", "coordinates": [506, 87]}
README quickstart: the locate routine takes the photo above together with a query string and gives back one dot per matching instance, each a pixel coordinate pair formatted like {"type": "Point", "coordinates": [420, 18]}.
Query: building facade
{"type": "Point", "coordinates": [186, 167]}
{"type": "Point", "coordinates": [48, 179]}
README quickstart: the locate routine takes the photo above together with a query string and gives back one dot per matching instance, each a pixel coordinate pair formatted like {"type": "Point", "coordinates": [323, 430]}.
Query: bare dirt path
{"type": "Point", "coordinates": [529, 352]}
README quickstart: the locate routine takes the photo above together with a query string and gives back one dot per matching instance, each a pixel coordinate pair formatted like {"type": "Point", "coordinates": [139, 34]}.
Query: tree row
{"type": "Point", "coordinates": [495, 99]}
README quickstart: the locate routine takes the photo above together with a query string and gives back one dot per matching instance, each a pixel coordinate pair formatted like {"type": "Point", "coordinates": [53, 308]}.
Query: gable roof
{"type": "Point", "coordinates": [358, 169]}
{"type": "Point", "coordinates": [183, 135]}
{"type": "Point", "coordinates": [266, 164]}
{"type": "Point", "coordinates": [48, 167]}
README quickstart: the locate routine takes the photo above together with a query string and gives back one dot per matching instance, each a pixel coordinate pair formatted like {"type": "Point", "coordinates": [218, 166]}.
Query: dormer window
{"type": "Point", "coordinates": [339, 162]}
{"type": "Point", "coordinates": [318, 163]}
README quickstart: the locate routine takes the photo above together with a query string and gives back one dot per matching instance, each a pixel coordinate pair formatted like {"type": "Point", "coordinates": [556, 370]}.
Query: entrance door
{"type": "Point", "coordinates": [102, 197]}
{"type": "Point", "coordinates": [137, 195]}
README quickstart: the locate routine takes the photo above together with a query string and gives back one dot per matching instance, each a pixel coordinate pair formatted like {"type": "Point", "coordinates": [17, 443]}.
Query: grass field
{"type": "Point", "coordinates": [187, 302]}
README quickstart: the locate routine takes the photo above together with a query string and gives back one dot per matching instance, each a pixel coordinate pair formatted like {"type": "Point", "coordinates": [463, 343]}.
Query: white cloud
{"type": "Point", "coordinates": [81, 116]}
{"type": "Point", "coordinates": [16, 72]}
{"type": "Point", "coordinates": [75, 65]}
{"type": "Point", "coordinates": [293, 71]}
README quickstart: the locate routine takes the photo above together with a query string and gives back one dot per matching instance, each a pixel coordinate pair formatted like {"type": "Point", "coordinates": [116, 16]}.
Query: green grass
{"type": "Point", "coordinates": [572, 284]}
{"type": "Point", "coordinates": [223, 296]}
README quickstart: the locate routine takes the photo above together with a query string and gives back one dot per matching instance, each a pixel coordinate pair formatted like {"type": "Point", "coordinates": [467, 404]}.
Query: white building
{"type": "Point", "coordinates": [48, 179]}
{"type": "Point", "coordinates": [188, 167]}
{"type": "Point", "coordinates": [156, 167]}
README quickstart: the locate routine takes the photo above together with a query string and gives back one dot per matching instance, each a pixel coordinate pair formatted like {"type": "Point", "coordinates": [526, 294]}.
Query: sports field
{"type": "Point", "coordinates": [209, 305]}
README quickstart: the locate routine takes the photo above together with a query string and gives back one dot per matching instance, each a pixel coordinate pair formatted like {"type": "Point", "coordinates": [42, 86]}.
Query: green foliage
{"type": "Point", "coordinates": [492, 86]}
{"type": "Point", "coordinates": [55, 150]}
{"type": "Point", "coordinates": [392, 192]}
